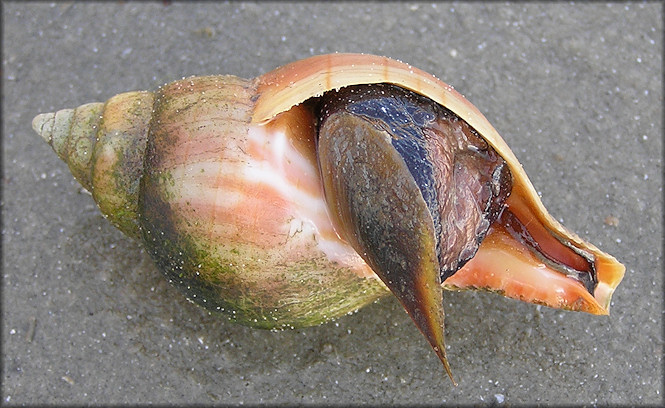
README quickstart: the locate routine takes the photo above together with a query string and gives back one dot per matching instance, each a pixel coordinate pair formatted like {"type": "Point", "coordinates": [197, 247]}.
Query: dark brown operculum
{"type": "Point", "coordinates": [412, 188]}
{"type": "Point", "coordinates": [462, 180]}
{"type": "Point", "coordinates": [377, 207]}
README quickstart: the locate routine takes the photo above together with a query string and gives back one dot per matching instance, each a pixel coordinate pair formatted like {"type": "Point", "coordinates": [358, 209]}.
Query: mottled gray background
{"type": "Point", "coordinates": [575, 89]}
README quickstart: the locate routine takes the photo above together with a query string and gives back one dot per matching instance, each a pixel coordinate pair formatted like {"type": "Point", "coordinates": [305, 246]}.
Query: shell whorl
{"type": "Point", "coordinates": [72, 135]}
{"type": "Point", "coordinates": [103, 144]}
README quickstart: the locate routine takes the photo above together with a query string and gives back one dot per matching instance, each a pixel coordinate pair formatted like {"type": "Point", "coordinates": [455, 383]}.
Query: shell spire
{"type": "Point", "coordinates": [72, 135]}
{"type": "Point", "coordinates": [103, 145]}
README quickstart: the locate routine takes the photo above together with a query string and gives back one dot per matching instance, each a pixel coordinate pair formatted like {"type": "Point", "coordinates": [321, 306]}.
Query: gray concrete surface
{"type": "Point", "coordinates": [575, 89]}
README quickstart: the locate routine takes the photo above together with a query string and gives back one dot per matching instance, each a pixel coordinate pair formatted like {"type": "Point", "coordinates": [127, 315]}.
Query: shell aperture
{"type": "Point", "coordinates": [411, 189]}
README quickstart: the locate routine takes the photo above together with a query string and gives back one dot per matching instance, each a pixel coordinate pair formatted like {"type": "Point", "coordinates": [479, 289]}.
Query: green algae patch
{"type": "Point", "coordinates": [242, 283]}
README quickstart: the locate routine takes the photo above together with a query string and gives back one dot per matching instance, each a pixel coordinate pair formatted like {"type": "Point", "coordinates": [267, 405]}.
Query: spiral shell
{"type": "Point", "coordinates": [218, 177]}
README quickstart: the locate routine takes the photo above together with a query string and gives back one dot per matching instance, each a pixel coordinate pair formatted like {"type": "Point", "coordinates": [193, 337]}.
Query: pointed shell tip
{"type": "Point", "coordinates": [43, 125]}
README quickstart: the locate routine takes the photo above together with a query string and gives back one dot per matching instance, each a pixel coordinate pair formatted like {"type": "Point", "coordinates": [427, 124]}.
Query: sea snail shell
{"type": "Point", "coordinates": [282, 204]}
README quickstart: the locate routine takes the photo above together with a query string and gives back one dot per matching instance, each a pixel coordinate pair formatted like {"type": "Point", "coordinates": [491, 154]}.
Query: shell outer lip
{"type": "Point", "coordinates": [294, 83]}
